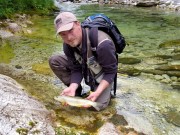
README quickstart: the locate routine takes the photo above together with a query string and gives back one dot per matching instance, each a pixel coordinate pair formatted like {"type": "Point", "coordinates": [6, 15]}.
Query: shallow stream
{"type": "Point", "coordinates": [148, 106]}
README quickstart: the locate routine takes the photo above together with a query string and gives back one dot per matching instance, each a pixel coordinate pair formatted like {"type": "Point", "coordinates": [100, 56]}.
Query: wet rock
{"type": "Point", "coordinates": [108, 129]}
{"type": "Point", "coordinates": [161, 72]}
{"type": "Point", "coordinates": [14, 27]}
{"type": "Point", "coordinates": [78, 117]}
{"type": "Point", "coordinates": [129, 60]}
{"type": "Point", "coordinates": [130, 71]}
{"type": "Point", "coordinates": [18, 67]}
{"type": "Point", "coordinates": [166, 76]}
{"type": "Point", "coordinates": [166, 80]}
{"type": "Point", "coordinates": [94, 1]}
{"type": "Point", "coordinates": [173, 73]}
{"type": "Point", "coordinates": [118, 120]}
{"type": "Point", "coordinates": [176, 85]}
{"type": "Point", "coordinates": [169, 4]}
{"type": "Point", "coordinates": [166, 2]}
{"type": "Point", "coordinates": [164, 56]}
{"type": "Point", "coordinates": [135, 120]}
{"type": "Point", "coordinates": [173, 116]}
{"type": "Point", "coordinates": [20, 113]}
{"type": "Point", "coordinates": [170, 44]}
{"type": "Point", "coordinates": [155, 61]}
{"type": "Point", "coordinates": [158, 77]}
{"type": "Point", "coordinates": [169, 68]}
{"type": "Point", "coordinates": [5, 34]}
{"type": "Point", "coordinates": [174, 62]}
{"type": "Point", "coordinates": [146, 3]}
{"type": "Point", "coordinates": [176, 57]}
{"type": "Point", "coordinates": [28, 22]}
{"type": "Point", "coordinates": [177, 50]}
{"type": "Point", "coordinates": [28, 31]}
{"type": "Point", "coordinates": [174, 78]}
{"type": "Point", "coordinates": [22, 17]}
{"type": "Point", "coordinates": [155, 72]}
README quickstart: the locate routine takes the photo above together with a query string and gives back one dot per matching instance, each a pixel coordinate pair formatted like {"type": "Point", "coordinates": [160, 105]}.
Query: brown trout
{"type": "Point", "coordinates": [77, 102]}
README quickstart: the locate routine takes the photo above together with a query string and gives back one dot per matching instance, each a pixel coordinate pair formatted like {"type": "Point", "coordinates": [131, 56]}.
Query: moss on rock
{"type": "Point", "coordinates": [170, 44]}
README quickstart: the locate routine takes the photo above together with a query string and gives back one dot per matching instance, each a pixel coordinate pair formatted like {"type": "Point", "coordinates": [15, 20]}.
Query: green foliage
{"type": "Point", "coordinates": [10, 7]}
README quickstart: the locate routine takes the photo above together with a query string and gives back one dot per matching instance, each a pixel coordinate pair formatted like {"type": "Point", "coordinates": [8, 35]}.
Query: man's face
{"type": "Point", "coordinates": [72, 37]}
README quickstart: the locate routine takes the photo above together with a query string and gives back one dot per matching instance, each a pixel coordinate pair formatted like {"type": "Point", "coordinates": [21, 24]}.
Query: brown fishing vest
{"type": "Point", "coordinates": [93, 65]}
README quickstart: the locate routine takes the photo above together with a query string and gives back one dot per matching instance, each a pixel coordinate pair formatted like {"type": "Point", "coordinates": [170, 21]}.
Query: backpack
{"type": "Point", "coordinates": [102, 22]}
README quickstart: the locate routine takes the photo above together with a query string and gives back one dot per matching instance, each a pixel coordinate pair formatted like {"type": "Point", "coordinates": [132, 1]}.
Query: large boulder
{"type": "Point", "coordinates": [5, 34]}
{"type": "Point", "coordinates": [146, 3]}
{"type": "Point", "coordinates": [14, 27]}
{"type": "Point", "coordinates": [20, 113]}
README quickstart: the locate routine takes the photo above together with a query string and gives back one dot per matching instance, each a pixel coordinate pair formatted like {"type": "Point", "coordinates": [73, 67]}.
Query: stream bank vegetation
{"type": "Point", "coordinates": [10, 7]}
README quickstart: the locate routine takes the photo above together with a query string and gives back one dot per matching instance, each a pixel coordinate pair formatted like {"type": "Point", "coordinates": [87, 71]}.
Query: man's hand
{"type": "Point", "coordinates": [101, 87]}
{"type": "Point", "coordinates": [68, 92]}
{"type": "Point", "coordinates": [71, 90]}
{"type": "Point", "coordinates": [93, 96]}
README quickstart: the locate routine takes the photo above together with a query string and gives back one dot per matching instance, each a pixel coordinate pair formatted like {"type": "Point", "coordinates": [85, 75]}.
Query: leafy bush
{"type": "Point", "coordinates": [10, 7]}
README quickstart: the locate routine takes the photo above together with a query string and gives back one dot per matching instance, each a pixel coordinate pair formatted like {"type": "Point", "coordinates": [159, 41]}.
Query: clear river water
{"type": "Point", "coordinates": [149, 106]}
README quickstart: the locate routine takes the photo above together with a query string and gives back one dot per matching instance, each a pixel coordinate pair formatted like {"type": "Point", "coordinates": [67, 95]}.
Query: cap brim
{"type": "Point", "coordinates": [65, 27]}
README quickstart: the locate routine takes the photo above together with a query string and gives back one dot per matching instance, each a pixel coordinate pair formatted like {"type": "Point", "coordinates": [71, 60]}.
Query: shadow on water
{"type": "Point", "coordinates": [144, 104]}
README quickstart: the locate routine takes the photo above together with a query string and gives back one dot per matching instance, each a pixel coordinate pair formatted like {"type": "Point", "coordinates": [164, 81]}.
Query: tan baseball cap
{"type": "Point", "coordinates": [64, 21]}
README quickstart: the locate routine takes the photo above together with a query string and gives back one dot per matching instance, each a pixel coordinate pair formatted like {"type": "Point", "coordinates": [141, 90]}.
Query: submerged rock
{"type": "Point", "coordinates": [129, 60]}
{"type": "Point", "coordinates": [176, 85]}
{"type": "Point", "coordinates": [173, 73]}
{"type": "Point", "coordinates": [164, 56]}
{"type": "Point", "coordinates": [20, 113]}
{"type": "Point", "coordinates": [176, 57]}
{"type": "Point", "coordinates": [170, 44]}
{"type": "Point", "coordinates": [108, 129]}
{"type": "Point", "coordinates": [173, 116]}
{"type": "Point", "coordinates": [175, 62]}
{"type": "Point", "coordinates": [169, 68]}
{"type": "Point", "coordinates": [129, 70]}
{"type": "Point", "coordinates": [118, 120]}
{"type": "Point", "coordinates": [155, 61]}
{"type": "Point", "coordinates": [177, 50]}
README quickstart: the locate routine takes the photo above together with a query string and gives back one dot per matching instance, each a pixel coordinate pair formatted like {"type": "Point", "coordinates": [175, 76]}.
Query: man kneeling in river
{"type": "Point", "coordinates": [79, 62]}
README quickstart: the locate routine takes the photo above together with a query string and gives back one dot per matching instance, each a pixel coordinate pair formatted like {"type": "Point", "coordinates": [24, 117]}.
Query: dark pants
{"type": "Point", "coordinates": [60, 67]}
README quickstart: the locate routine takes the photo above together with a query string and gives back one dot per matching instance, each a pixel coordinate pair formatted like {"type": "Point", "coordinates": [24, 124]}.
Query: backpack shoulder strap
{"type": "Point", "coordinates": [93, 38]}
{"type": "Point", "coordinates": [96, 36]}
{"type": "Point", "coordinates": [115, 79]}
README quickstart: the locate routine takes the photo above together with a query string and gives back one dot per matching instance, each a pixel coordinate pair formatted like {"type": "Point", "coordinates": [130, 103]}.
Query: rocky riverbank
{"type": "Point", "coordinates": [20, 24]}
{"type": "Point", "coordinates": [20, 113]}
{"type": "Point", "coordinates": [173, 5]}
